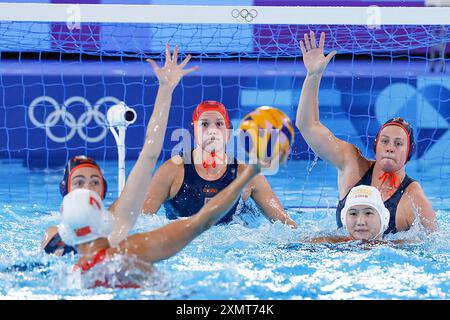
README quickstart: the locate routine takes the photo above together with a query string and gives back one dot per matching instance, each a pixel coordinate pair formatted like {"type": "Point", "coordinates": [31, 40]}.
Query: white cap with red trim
{"type": "Point", "coordinates": [83, 218]}
{"type": "Point", "coordinates": [370, 196]}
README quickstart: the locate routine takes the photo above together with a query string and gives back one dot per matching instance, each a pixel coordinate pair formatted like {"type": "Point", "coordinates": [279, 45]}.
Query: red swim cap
{"type": "Point", "coordinates": [211, 105]}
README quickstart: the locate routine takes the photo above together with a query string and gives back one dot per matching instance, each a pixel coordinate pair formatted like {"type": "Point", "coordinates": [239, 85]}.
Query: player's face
{"type": "Point", "coordinates": [363, 222]}
{"type": "Point", "coordinates": [392, 148]}
{"type": "Point", "coordinates": [86, 178]}
{"type": "Point", "coordinates": [211, 131]}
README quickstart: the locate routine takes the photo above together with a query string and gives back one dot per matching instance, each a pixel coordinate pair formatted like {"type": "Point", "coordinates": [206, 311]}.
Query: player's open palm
{"type": "Point", "coordinates": [171, 74]}
{"type": "Point", "coordinates": [313, 57]}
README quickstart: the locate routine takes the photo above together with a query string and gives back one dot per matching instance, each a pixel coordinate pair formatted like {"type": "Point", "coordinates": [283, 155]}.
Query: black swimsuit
{"type": "Point", "coordinates": [196, 191]}
{"type": "Point", "coordinates": [391, 203]}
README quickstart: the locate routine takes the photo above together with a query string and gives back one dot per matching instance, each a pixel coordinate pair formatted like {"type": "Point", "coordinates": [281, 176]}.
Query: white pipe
{"type": "Point", "coordinates": [120, 117]}
{"type": "Point", "coordinates": [121, 160]}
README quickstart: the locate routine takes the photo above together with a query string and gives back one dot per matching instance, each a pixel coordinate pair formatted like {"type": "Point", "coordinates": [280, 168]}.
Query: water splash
{"type": "Point", "coordinates": [313, 164]}
{"type": "Point", "coordinates": [239, 261]}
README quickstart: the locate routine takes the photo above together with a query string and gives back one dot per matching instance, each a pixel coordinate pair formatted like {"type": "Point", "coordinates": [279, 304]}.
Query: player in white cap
{"type": "Point", "coordinates": [87, 226]}
{"type": "Point", "coordinates": [364, 216]}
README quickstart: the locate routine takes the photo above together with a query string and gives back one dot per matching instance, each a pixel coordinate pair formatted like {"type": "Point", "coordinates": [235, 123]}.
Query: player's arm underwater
{"type": "Point", "coordinates": [343, 239]}
{"type": "Point", "coordinates": [328, 239]}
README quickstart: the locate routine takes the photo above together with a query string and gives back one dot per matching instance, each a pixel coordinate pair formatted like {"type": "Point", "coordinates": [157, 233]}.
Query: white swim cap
{"type": "Point", "coordinates": [370, 196]}
{"type": "Point", "coordinates": [83, 218]}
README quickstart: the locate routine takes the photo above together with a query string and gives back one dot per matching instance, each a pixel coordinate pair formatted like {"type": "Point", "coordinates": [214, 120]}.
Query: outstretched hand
{"type": "Point", "coordinates": [313, 57]}
{"type": "Point", "coordinates": [171, 74]}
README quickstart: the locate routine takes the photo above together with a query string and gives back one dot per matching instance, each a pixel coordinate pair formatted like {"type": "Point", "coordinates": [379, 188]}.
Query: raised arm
{"type": "Point", "coordinates": [319, 138]}
{"type": "Point", "coordinates": [165, 242]}
{"type": "Point", "coordinates": [128, 207]}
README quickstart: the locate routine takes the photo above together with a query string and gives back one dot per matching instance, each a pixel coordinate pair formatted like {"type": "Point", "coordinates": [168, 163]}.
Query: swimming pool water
{"type": "Point", "coordinates": [248, 259]}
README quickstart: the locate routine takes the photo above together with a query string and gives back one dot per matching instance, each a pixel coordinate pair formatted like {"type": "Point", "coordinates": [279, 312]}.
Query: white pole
{"type": "Point", "coordinates": [120, 116]}
{"type": "Point", "coordinates": [121, 159]}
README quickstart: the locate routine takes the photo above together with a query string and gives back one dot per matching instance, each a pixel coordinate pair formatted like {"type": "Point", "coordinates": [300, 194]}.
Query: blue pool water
{"type": "Point", "coordinates": [249, 259]}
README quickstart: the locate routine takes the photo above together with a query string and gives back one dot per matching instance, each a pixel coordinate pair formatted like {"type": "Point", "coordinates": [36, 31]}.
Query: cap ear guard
{"type": "Point", "coordinates": [412, 147]}
{"type": "Point", "coordinates": [384, 219]}
{"type": "Point", "coordinates": [344, 220]}
{"type": "Point", "coordinates": [63, 187]}
{"type": "Point", "coordinates": [105, 187]}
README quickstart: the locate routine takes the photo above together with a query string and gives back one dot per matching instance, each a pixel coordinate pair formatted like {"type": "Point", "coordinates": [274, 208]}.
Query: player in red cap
{"type": "Point", "coordinates": [105, 262]}
{"type": "Point", "coordinates": [83, 172]}
{"type": "Point", "coordinates": [186, 182]}
{"type": "Point", "coordinates": [394, 146]}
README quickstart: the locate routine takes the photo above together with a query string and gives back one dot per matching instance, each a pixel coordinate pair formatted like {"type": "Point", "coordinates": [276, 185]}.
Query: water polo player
{"type": "Point", "coordinates": [186, 182]}
{"type": "Point", "coordinates": [83, 173]}
{"type": "Point", "coordinates": [86, 225]}
{"type": "Point", "coordinates": [394, 146]}
{"type": "Point", "coordinates": [364, 216]}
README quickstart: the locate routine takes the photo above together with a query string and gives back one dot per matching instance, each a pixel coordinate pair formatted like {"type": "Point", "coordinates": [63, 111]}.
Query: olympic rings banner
{"type": "Point", "coordinates": [60, 113]}
{"type": "Point", "coordinates": [55, 110]}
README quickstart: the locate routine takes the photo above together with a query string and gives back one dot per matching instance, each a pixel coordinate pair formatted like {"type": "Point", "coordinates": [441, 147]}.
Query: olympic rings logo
{"type": "Point", "coordinates": [244, 14]}
{"type": "Point", "coordinates": [61, 113]}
